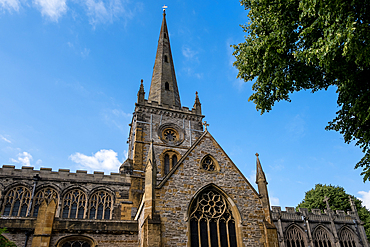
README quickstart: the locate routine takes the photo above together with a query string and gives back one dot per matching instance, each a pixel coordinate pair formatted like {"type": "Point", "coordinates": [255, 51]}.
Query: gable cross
{"type": "Point", "coordinates": [326, 200]}
{"type": "Point", "coordinates": [205, 124]}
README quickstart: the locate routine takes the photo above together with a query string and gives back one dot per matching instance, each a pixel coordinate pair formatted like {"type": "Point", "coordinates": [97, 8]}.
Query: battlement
{"type": "Point", "coordinates": [315, 216]}
{"type": "Point", "coordinates": [154, 107]}
{"type": "Point", "coordinates": [27, 172]}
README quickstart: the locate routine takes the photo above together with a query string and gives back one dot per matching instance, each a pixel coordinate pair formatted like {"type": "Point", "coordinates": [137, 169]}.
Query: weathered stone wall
{"type": "Point", "coordinates": [172, 200]}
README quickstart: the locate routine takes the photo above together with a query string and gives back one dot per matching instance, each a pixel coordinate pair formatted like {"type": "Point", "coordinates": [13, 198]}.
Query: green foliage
{"type": "Point", "coordinates": [3, 241]}
{"type": "Point", "coordinates": [295, 45]}
{"type": "Point", "coordinates": [338, 200]}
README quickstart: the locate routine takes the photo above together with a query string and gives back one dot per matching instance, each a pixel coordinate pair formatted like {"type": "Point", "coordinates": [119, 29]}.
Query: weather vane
{"type": "Point", "coordinates": [164, 8]}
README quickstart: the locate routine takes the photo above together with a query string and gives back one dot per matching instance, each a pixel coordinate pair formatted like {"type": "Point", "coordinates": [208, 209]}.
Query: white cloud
{"type": "Point", "coordinates": [9, 5]}
{"type": "Point", "coordinates": [3, 138]}
{"type": "Point", "coordinates": [188, 52]}
{"type": "Point", "coordinates": [365, 198]}
{"type": "Point", "coordinates": [53, 9]}
{"type": "Point", "coordinates": [24, 158]}
{"type": "Point", "coordinates": [274, 201]}
{"type": "Point", "coordinates": [105, 160]}
{"type": "Point", "coordinates": [116, 118]}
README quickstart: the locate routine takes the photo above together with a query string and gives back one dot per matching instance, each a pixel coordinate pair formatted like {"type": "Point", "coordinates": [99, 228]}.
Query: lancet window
{"type": "Point", "coordinates": [347, 238]}
{"type": "Point", "coordinates": [17, 201]}
{"type": "Point", "coordinates": [169, 160]}
{"type": "Point", "coordinates": [100, 205]}
{"type": "Point", "coordinates": [211, 221]}
{"type": "Point", "coordinates": [321, 238]}
{"type": "Point", "coordinates": [43, 194]}
{"type": "Point", "coordinates": [74, 204]}
{"type": "Point", "coordinates": [166, 164]}
{"type": "Point", "coordinates": [294, 237]}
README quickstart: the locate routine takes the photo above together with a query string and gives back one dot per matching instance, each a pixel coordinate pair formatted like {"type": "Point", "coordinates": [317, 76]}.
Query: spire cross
{"type": "Point", "coordinates": [326, 200]}
{"type": "Point", "coordinates": [164, 8]}
{"type": "Point", "coordinates": [205, 124]}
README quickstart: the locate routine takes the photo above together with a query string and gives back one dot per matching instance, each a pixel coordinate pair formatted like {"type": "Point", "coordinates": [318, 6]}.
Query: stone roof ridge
{"type": "Point", "coordinates": [163, 88]}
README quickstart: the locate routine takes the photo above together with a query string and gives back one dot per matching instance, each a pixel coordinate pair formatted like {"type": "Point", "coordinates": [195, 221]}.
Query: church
{"type": "Point", "coordinates": [177, 187]}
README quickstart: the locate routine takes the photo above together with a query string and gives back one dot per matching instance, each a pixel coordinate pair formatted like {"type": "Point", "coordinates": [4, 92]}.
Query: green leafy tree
{"type": "Point", "coordinates": [3, 241]}
{"type": "Point", "coordinates": [294, 45]}
{"type": "Point", "coordinates": [338, 200]}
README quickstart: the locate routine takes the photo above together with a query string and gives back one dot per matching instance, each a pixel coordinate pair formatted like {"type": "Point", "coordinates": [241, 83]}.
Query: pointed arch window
{"type": "Point", "coordinates": [167, 86]}
{"type": "Point", "coordinates": [166, 58]}
{"type": "Point", "coordinates": [174, 160]}
{"type": "Point", "coordinates": [211, 221]}
{"type": "Point", "coordinates": [74, 204]}
{"type": "Point", "coordinates": [166, 164]}
{"type": "Point", "coordinates": [100, 206]}
{"type": "Point", "coordinates": [321, 238]}
{"type": "Point", "coordinates": [294, 237]}
{"type": "Point", "coordinates": [347, 238]}
{"type": "Point", "coordinates": [17, 201]}
{"type": "Point", "coordinates": [43, 194]}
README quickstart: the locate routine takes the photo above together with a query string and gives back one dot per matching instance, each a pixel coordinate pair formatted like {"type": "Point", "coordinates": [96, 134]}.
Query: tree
{"type": "Point", "coordinates": [338, 200]}
{"type": "Point", "coordinates": [294, 45]}
{"type": "Point", "coordinates": [3, 241]}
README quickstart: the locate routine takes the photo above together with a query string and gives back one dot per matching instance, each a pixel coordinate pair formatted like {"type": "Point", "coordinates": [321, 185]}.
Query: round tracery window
{"type": "Point", "coordinates": [209, 164]}
{"type": "Point", "coordinates": [171, 134]}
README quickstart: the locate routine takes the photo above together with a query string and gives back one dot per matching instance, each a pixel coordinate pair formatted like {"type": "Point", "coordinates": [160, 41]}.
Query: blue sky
{"type": "Point", "coordinates": [70, 71]}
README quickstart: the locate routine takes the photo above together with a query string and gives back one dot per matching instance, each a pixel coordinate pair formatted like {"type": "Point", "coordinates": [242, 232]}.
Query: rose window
{"type": "Point", "coordinates": [169, 135]}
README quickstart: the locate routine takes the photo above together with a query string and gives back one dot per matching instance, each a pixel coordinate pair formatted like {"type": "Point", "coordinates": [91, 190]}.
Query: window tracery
{"type": "Point", "coordinates": [44, 194]}
{"type": "Point", "coordinates": [347, 238]}
{"type": "Point", "coordinates": [295, 238]}
{"type": "Point", "coordinates": [74, 204]}
{"type": "Point", "coordinates": [321, 238]}
{"type": "Point", "coordinates": [100, 206]}
{"type": "Point", "coordinates": [209, 164]}
{"type": "Point", "coordinates": [17, 201]}
{"type": "Point", "coordinates": [76, 243]}
{"type": "Point", "coordinates": [211, 221]}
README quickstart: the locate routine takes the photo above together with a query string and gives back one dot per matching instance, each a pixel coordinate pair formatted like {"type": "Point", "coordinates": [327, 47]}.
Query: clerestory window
{"type": "Point", "coordinates": [43, 194]}
{"type": "Point", "coordinates": [17, 201]}
{"type": "Point", "coordinates": [321, 238]}
{"type": "Point", "coordinates": [347, 238]}
{"type": "Point", "coordinates": [100, 205]}
{"type": "Point", "coordinates": [294, 237]}
{"type": "Point", "coordinates": [211, 221]}
{"type": "Point", "coordinates": [74, 204]}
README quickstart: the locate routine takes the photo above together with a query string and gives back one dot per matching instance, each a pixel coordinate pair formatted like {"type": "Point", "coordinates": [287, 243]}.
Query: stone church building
{"type": "Point", "coordinates": [177, 188]}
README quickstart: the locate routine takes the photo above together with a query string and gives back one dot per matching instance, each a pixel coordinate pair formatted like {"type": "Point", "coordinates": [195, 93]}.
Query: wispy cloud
{"type": "Point", "coordinates": [103, 160]}
{"type": "Point", "coordinates": [116, 118]}
{"type": "Point", "coordinates": [98, 11]}
{"type": "Point", "coordinates": [4, 139]}
{"type": "Point", "coordinates": [365, 198]}
{"type": "Point", "coordinates": [189, 53]}
{"type": "Point", "coordinates": [53, 9]}
{"type": "Point", "coordinates": [274, 201]}
{"type": "Point", "coordinates": [85, 53]}
{"type": "Point", "coordinates": [24, 158]}
{"type": "Point", "coordinates": [9, 5]}
{"type": "Point", "coordinates": [296, 127]}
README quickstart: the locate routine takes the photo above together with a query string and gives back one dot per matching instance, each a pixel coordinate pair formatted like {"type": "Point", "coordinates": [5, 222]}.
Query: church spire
{"type": "Point", "coordinates": [262, 190]}
{"type": "Point", "coordinates": [163, 88]}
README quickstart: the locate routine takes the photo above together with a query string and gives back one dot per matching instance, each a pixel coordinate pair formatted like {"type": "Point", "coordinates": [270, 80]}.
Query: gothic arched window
{"type": "Point", "coordinates": [211, 221]}
{"type": "Point", "coordinates": [76, 241]}
{"type": "Point", "coordinates": [166, 58]}
{"type": "Point", "coordinates": [43, 194]}
{"type": "Point", "coordinates": [347, 238]}
{"type": "Point", "coordinates": [166, 164]}
{"type": "Point", "coordinates": [100, 205]}
{"type": "Point", "coordinates": [321, 238]}
{"type": "Point", "coordinates": [17, 201]}
{"type": "Point", "coordinates": [294, 237]}
{"type": "Point", "coordinates": [74, 204]}
{"type": "Point", "coordinates": [174, 160]}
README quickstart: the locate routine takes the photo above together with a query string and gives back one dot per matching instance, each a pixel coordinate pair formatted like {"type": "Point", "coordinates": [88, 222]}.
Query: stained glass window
{"type": "Point", "coordinates": [321, 238]}
{"type": "Point", "coordinates": [43, 194]}
{"type": "Point", "coordinates": [74, 204]}
{"type": "Point", "coordinates": [100, 205]}
{"type": "Point", "coordinates": [294, 237]}
{"type": "Point", "coordinates": [347, 238]}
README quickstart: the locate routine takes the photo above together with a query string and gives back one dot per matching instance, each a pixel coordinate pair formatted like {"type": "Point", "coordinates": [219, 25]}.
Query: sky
{"type": "Point", "coordinates": [70, 71]}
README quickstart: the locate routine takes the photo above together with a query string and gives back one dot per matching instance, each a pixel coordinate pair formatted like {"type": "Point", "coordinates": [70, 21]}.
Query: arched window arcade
{"type": "Point", "coordinates": [74, 204]}
{"type": "Point", "coordinates": [294, 237]}
{"type": "Point", "coordinates": [321, 238]}
{"type": "Point", "coordinates": [100, 205]}
{"type": "Point", "coordinates": [211, 220]}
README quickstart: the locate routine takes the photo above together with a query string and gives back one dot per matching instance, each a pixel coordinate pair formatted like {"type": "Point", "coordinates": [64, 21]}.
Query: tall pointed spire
{"type": "Point", "coordinates": [262, 190]}
{"type": "Point", "coordinates": [163, 88]}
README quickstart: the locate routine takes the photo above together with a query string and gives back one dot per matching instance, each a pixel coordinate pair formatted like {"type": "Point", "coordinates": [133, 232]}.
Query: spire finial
{"type": "Point", "coordinates": [205, 124]}
{"type": "Point", "coordinates": [257, 154]}
{"type": "Point", "coordinates": [164, 9]}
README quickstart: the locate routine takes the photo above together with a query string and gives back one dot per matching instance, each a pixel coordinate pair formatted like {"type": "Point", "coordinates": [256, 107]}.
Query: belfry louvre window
{"type": "Point", "coordinates": [74, 204]}
{"type": "Point", "coordinates": [211, 221]}
{"type": "Point", "coordinates": [346, 238]}
{"type": "Point", "coordinates": [43, 194]}
{"type": "Point", "coordinates": [100, 205]}
{"type": "Point", "coordinates": [294, 237]}
{"type": "Point", "coordinates": [17, 201]}
{"type": "Point", "coordinates": [321, 238]}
